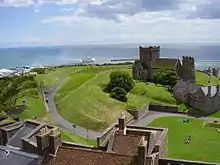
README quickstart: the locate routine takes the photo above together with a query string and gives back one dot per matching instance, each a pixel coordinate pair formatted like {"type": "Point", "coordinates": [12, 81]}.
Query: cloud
{"type": "Point", "coordinates": [112, 9]}
{"type": "Point", "coordinates": [208, 10]}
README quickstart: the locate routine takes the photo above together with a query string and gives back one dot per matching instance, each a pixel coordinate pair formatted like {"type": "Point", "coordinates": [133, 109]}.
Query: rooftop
{"type": "Point", "coordinates": [166, 63]}
{"type": "Point", "coordinates": [89, 157]}
{"type": "Point", "coordinates": [9, 156]}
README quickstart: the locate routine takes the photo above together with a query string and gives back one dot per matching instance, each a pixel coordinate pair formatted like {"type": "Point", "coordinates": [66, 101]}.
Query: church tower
{"type": "Point", "coordinates": [147, 56]}
{"type": "Point", "coordinates": [188, 69]}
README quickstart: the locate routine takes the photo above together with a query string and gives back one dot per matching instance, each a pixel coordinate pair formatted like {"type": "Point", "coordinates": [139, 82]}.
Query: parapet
{"type": "Point", "coordinates": [188, 59]}
{"type": "Point", "coordinates": [157, 48]}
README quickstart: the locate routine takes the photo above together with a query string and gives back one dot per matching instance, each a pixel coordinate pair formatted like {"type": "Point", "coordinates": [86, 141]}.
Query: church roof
{"type": "Point", "coordinates": [165, 63]}
{"type": "Point", "coordinates": [213, 90]}
{"type": "Point", "coordinates": [183, 85]}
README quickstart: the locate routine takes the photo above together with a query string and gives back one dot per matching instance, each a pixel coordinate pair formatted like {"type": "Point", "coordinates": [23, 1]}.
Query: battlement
{"type": "Point", "coordinates": [150, 48]}
{"type": "Point", "coordinates": [188, 60]}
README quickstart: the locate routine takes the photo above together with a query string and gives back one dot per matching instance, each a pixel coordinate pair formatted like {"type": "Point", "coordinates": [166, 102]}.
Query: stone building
{"type": "Point", "coordinates": [150, 62]}
{"type": "Point", "coordinates": [205, 98]}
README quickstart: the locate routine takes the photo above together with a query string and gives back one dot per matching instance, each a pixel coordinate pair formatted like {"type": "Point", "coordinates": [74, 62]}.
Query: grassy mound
{"type": "Point", "coordinates": [203, 79]}
{"type": "Point", "coordinates": [81, 98]}
{"type": "Point", "coordinates": [205, 144]}
{"type": "Point", "coordinates": [143, 93]}
{"type": "Point", "coordinates": [72, 83]}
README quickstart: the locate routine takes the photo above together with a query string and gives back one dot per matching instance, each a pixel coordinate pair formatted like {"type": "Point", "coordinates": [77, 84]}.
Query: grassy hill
{"type": "Point", "coordinates": [203, 79]}
{"type": "Point", "coordinates": [81, 99]}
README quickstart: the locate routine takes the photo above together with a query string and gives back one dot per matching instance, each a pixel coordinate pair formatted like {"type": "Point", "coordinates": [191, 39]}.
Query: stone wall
{"type": "Point", "coordinates": [162, 143]}
{"type": "Point", "coordinates": [140, 112]}
{"type": "Point", "coordinates": [168, 161]}
{"type": "Point", "coordinates": [163, 108]}
{"type": "Point", "coordinates": [103, 139]}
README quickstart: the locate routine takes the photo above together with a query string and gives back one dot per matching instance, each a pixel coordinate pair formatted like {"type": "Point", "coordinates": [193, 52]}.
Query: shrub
{"type": "Point", "coordinates": [183, 107]}
{"type": "Point", "coordinates": [38, 70]}
{"type": "Point", "coordinates": [168, 78]}
{"type": "Point", "coordinates": [28, 84]}
{"type": "Point", "coordinates": [118, 94]}
{"type": "Point", "coordinates": [120, 79]}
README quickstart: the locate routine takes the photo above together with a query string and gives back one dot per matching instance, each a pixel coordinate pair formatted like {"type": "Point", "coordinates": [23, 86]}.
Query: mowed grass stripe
{"type": "Point", "coordinates": [89, 106]}
{"type": "Point", "coordinates": [205, 144]}
{"type": "Point", "coordinates": [70, 84]}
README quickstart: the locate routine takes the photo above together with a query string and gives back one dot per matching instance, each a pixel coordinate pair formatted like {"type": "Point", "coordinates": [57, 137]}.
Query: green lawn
{"type": "Point", "coordinates": [216, 114]}
{"type": "Point", "coordinates": [70, 137]}
{"type": "Point", "coordinates": [205, 145]}
{"type": "Point", "coordinates": [202, 79]}
{"type": "Point", "coordinates": [143, 93]}
{"type": "Point", "coordinates": [34, 103]}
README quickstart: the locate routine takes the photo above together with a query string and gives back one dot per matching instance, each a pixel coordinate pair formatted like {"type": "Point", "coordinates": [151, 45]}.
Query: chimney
{"type": "Point", "coordinates": [142, 151]}
{"type": "Point", "coordinates": [54, 141]}
{"type": "Point", "coordinates": [121, 121]}
{"type": "Point", "coordinates": [209, 91]}
{"type": "Point", "coordinates": [48, 139]}
{"type": "Point", "coordinates": [42, 140]}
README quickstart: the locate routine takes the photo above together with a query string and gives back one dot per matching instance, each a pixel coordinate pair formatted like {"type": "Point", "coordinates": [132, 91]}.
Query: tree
{"type": "Point", "coordinates": [38, 70]}
{"type": "Point", "coordinates": [168, 78]}
{"type": "Point", "coordinates": [120, 79]}
{"type": "Point", "coordinates": [118, 94]}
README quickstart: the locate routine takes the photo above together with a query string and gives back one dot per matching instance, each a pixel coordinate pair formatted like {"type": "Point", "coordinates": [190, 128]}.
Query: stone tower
{"type": "Point", "coordinates": [188, 69]}
{"type": "Point", "coordinates": [215, 72]}
{"type": "Point", "coordinates": [147, 56]}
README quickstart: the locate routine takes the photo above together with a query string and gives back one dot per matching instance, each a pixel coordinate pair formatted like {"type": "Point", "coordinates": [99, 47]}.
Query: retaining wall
{"type": "Point", "coordinates": [163, 108]}
{"type": "Point", "coordinates": [168, 161]}
{"type": "Point", "coordinates": [139, 113]}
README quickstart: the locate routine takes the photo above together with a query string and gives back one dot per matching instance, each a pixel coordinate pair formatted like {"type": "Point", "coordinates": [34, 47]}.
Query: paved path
{"type": "Point", "coordinates": [152, 115]}
{"type": "Point", "coordinates": [63, 123]}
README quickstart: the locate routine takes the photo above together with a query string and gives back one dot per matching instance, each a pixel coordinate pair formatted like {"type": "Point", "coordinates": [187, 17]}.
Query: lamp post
{"type": "Point", "coordinates": [74, 128]}
{"type": "Point", "coordinates": [87, 131]}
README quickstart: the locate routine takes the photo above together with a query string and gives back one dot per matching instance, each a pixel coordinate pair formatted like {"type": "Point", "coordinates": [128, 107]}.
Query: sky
{"type": "Point", "coordinates": [66, 22]}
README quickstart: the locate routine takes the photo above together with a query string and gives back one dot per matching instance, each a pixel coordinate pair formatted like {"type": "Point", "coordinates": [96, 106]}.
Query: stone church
{"type": "Point", "coordinates": [150, 63]}
{"type": "Point", "coordinates": [205, 98]}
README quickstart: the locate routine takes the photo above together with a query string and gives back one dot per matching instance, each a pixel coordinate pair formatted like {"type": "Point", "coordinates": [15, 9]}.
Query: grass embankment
{"type": "Point", "coordinates": [87, 105]}
{"type": "Point", "coordinates": [34, 103]}
{"type": "Point", "coordinates": [71, 137]}
{"type": "Point", "coordinates": [203, 79]}
{"type": "Point", "coordinates": [205, 144]}
{"type": "Point", "coordinates": [52, 76]}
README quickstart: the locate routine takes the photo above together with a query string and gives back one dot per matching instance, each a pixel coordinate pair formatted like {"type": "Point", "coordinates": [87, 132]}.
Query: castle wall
{"type": "Point", "coordinates": [168, 161]}
{"type": "Point", "coordinates": [210, 105]}
{"type": "Point", "coordinates": [139, 113]}
{"type": "Point", "coordinates": [162, 108]}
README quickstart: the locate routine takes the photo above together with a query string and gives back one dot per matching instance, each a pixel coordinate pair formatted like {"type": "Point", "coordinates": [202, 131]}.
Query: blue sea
{"type": "Point", "coordinates": [206, 55]}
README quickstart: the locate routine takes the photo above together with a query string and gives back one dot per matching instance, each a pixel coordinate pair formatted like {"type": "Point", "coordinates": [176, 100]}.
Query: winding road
{"type": "Point", "coordinates": [63, 123]}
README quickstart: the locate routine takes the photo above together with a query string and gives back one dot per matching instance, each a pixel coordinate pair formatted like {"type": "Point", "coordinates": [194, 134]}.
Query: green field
{"type": "Point", "coordinates": [205, 144]}
{"type": "Point", "coordinates": [34, 103]}
{"type": "Point", "coordinates": [202, 79]}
